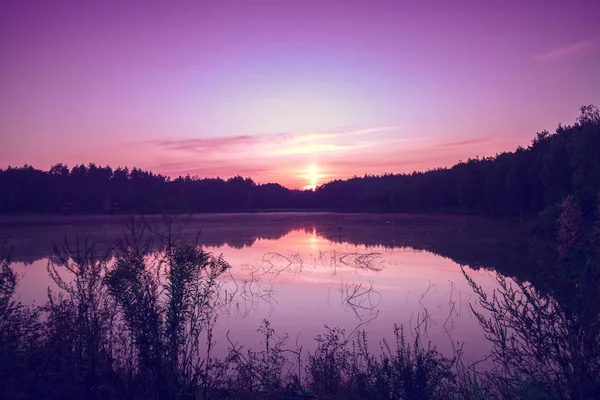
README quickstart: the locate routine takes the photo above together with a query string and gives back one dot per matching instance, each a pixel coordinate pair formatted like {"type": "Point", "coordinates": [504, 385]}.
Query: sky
{"type": "Point", "coordinates": [293, 92]}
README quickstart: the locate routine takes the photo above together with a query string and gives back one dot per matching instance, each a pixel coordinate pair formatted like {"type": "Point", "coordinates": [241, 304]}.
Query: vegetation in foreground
{"type": "Point", "coordinates": [140, 326]}
{"type": "Point", "coordinates": [520, 184]}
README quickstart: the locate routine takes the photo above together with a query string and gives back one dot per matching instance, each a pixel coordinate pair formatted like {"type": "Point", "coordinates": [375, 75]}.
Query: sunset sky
{"type": "Point", "coordinates": [294, 92]}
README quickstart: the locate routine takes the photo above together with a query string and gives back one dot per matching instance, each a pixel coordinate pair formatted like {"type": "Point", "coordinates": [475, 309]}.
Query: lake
{"type": "Point", "coordinates": [302, 271]}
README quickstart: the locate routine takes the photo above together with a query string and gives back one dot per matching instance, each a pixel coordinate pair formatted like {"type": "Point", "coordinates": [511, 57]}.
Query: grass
{"type": "Point", "coordinates": [141, 327]}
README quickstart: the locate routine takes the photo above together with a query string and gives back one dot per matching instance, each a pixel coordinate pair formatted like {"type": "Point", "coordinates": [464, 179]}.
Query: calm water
{"type": "Point", "coordinates": [302, 271]}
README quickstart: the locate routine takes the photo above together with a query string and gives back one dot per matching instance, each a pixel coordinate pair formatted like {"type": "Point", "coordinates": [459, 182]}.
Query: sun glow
{"type": "Point", "coordinates": [312, 240]}
{"type": "Point", "coordinates": [312, 176]}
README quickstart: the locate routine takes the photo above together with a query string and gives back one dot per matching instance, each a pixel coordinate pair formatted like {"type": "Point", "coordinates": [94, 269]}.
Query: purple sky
{"type": "Point", "coordinates": [295, 92]}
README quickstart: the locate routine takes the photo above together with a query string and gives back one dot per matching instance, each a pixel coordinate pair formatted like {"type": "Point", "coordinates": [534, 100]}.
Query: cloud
{"type": "Point", "coordinates": [274, 144]}
{"type": "Point", "coordinates": [342, 133]}
{"type": "Point", "coordinates": [466, 142]}
{"type": "Point", "coordinates": [314, 148]}
{"type": "Point", "coordinates": [314, 143]}
{"type": "Point", "coordinates": [564, 51]}
{"type": "Point", "coordinates": [387, 163]}
{"type": "Point", "coordinates": [277, 157]}
{"type": "Point", "coordinates": [208, 168]}
{"type": "Point", "coordinates": [212, 144]}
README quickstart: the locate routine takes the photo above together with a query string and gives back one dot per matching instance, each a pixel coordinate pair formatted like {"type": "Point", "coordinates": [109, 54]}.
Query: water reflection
{"type": "Point", "coordinates": [303, 271]}
{"type": "Point", "coordinates": [472, 241]}
{"type": "Point", "coordinates": [535, 334]}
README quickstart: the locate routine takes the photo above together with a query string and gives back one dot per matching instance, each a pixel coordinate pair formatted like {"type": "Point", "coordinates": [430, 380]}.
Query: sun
{"type": "Point", "coordinates": [312, 176]}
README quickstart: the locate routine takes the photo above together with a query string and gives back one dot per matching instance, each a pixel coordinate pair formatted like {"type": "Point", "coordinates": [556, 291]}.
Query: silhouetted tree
{"type": "Point", "coordinates": [520, 184]}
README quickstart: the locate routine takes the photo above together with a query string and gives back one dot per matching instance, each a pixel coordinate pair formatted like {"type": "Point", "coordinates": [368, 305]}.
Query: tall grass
{"type": "Point", "coordinates": [138, 323]}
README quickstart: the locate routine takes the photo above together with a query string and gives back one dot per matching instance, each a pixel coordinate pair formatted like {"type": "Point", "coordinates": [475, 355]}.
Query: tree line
{"type": "Point", "coordinates": [98, 189]}
{"type": "Point", "coordinates": [521, 184]}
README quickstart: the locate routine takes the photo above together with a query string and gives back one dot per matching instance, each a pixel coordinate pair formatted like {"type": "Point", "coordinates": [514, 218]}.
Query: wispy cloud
{"type": "Point", "coordinates": [213, 144]}
{"type": "Point", "coordinates": [564, 51]}
{"type": "Point", "coordinates": [265, 157]}
{"type": "Point", "coordinates": [208, 168]}
{"type": "Point", "coordinates": [274, 144]}
{"type": "Point", "coordinates": [314, 148]}
{"type": "Point", "coordinates": [341, 133]}
{"type": "Point", "coordinates": [467, 142]}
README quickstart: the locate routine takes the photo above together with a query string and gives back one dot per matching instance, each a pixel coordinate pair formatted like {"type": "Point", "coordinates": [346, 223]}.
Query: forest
{"type": "Point", "coordinates": [522, 184]}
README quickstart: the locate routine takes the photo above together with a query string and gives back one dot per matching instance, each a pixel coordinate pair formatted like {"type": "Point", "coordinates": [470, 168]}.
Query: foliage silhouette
{"type": "Point", "coordinates": [546, 329]}
{"type": "Point", "coordinates": [137, 323]}
{"type": "Point", "coordinates": [520, 184]}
